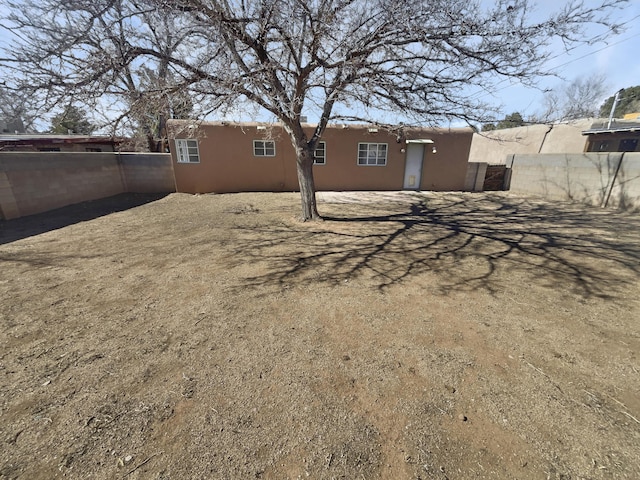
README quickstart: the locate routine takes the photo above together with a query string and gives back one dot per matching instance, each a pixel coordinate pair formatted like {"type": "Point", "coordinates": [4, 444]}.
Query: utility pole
{"type": "Point", "coordinates": [613, 107]}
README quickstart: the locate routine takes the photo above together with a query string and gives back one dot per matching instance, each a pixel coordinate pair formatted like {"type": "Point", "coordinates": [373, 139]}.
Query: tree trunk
{"type": "Point", "coordinates": [152, 143]}
{"type": "Point", "coordinates": [307, 185]}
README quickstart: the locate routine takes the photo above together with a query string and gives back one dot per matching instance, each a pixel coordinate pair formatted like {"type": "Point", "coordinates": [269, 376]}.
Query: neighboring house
{"type": "Point", "coordinates": [235, 157]}
{"type": "Point", "coordinates": [56, 143]}
{"type": "Point", "coordinates": [492, 153]}
{"type": "Point", "coordinates": [496, 147]}
{"type": "Point", "coordinates": [619, 136]}
{"type": "Point", "coordinates": [557, 162]}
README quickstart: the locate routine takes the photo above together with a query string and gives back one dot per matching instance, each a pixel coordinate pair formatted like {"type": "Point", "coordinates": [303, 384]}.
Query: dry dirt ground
{"type": "Point", "coordinates": [440, 336]}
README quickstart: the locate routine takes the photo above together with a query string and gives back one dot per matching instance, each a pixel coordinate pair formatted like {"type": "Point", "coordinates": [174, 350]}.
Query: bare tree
{"type": "Point", "coordinates": [18, 113]}
{"type": "Point", "coordinates": [577, 99]}
{"type": "Point", "coordinates": [95, 52]}
{"type": "Point", "coordinates": [151, 104]}
{"type": "Point", "coordinates": [416, 58]}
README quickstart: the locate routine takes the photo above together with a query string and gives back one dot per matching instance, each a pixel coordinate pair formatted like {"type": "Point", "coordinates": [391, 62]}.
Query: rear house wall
{"type": "Point", "coordinates": [228, 164]}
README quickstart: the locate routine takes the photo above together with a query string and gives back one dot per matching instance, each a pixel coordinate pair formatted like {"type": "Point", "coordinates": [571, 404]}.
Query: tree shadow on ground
{"type": "Point", "coordinates": [24, 227]}
{"type": "Point", "coordinates": [468, 241]}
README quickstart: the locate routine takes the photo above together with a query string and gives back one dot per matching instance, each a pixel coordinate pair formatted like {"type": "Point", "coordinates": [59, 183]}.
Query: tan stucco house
{"type": "Point", "coordinates": [234, 157]}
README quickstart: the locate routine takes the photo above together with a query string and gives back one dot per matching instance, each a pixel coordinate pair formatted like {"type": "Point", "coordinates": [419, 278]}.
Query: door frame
{"type": "Point", "coordinates": [411, 168]}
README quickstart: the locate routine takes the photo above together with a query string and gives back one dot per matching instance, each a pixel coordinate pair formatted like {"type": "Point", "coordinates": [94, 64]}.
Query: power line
{"type": "Point", "coordinates": [558, 67]}
{"type": "Point", "coordinates": [594, 52]}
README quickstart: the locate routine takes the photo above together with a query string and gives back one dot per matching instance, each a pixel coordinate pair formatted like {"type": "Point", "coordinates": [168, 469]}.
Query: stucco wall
{"type": "Point", "coordinates": [593, 178]}
{"type": "Point", "coordinates": [227, 163]}
{"type": "Point", "coordinates": [447, 169]}
{"type": "Point", "coordinates": [342, 171]}
{"type": "Point", "coordinates": [34, 182]}
{"type": "Point", "coordinates": [495, 147]}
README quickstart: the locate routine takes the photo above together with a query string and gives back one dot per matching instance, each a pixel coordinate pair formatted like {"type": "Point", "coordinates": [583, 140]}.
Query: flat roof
{"type": "Point", "coordinates": [331, 125]}
{"type": "Point", "coordinates": [28, 137]}
{"type": "Point", "coordinates": [595, 131]}
{"type": "Point", "coordinates": [617, 126]}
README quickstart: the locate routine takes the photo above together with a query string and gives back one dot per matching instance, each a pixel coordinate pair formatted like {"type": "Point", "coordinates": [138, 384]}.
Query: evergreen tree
{"type": "Point", "coordinates": [71, 120]}
{"type": "Point", "coordinates": [510, 121]}
{"type": "Point", "coordinates": [628, 102]}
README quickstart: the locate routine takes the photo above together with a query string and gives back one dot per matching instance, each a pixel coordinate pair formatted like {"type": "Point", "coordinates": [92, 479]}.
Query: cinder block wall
{"type": "Point", "coordinates": [34, 182]}
{"type": "Point", "coordinates": [147, 172]}
{"type": "Point", "coordinates": [625, 193]}
{"type": "Point", "coordinates": [474, 180]}
{"type": "Point", "coordinates": [39, 182]}
{"type": "Point", "coordinates": [592, 178]}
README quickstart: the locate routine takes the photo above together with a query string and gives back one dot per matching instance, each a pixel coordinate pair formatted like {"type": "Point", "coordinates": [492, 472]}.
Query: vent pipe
{"type": "Point", "coordinates": [613, 107]}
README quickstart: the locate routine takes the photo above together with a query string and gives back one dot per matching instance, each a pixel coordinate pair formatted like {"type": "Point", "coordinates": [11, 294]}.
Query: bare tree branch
{"type": "Point", "coordinates": [410, 57]}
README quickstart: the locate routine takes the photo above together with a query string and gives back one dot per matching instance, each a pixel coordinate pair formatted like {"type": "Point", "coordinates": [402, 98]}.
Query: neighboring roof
{"type": "Point", "coordinates": [20, 138]}
{"type": "Point", "coordinates": [617, 126]}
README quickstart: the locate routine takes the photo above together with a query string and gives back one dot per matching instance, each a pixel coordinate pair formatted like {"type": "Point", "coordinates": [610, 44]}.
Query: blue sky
{"type": "Point", "coordinates": [617, 59]}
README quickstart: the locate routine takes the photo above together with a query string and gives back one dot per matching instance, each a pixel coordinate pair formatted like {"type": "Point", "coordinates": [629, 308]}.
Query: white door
{"type": "Point", "coordinates": [413, 166]}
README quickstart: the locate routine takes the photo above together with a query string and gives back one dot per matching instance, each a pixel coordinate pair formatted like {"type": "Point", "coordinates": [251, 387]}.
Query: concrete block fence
{"type": "Point", "coordinates": [34, 182]}
{"type": "Point", "coordinates": [610, 180]}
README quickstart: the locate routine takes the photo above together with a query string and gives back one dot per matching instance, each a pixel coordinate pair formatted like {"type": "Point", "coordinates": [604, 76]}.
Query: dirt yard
{"type": "Point", "coordinates": [408, 336]}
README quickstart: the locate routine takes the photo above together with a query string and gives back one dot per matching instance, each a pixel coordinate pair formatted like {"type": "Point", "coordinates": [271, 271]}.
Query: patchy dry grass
{"type": "Point", "coordinates": [408, 335]}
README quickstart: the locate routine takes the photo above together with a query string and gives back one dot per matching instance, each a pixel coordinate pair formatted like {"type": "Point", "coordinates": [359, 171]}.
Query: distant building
{"type": "Point", "coordinates": [56, 143]}
{"type": "Point", "coordinates": [497, 147]}
{"type": "Point", "coordinates": [619, 136]}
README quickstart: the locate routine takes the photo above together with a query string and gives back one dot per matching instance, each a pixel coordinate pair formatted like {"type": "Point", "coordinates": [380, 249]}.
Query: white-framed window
{"type": "Point", "coordinates": [372, 154]}
{"type": "Point", "coordinates": [264, 148]}
{"type": "Point", "coordinates": [320, 154]}
{"type": "Point", "coordinates": [187, 150]}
